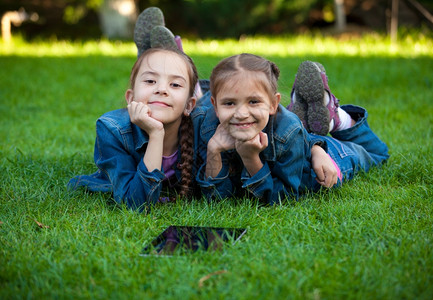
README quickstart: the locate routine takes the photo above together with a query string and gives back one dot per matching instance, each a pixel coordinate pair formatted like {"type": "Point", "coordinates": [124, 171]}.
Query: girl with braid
{"type": "Point", "coordinates": [144, 152]}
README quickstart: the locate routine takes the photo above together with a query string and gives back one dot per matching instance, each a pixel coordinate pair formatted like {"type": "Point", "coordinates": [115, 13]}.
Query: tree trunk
{"type": "Point", "coordinates": [117, 18]}
{"type": "Point", "coordinates": [394, 21]}
{"type": "Point", "coordinates": [340, 15]}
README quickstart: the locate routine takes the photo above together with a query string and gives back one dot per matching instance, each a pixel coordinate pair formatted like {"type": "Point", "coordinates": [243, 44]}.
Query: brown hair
{"type": "Point", "coordinates": [186, 129]}
{"type": "Point", "coordinates": [234, 65]}
{"type": "Point", "coordinates": [192, 72]}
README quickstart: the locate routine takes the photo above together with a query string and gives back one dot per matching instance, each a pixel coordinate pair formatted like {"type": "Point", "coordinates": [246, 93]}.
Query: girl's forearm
{"type": "Point", "coordinates": [253, 164]}
{"type": "Point", "coordinates": [153, 157]}
{"type": "Point", "coordinates": [213, 164]}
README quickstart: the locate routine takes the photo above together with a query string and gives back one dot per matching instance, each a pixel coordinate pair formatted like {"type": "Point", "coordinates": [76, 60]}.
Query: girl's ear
{"type": "Point", "coordinates": [274, 103]}
{"type": "Point", "coordinates": [212, 99]}
{"type": "Point", "coordinates": [129, 96]}
{"type": "Point", "coordinates": [190, 106]}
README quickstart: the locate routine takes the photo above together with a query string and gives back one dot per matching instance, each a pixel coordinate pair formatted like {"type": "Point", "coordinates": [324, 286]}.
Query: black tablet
{"type": "Point", "coordinates": [187, 239]}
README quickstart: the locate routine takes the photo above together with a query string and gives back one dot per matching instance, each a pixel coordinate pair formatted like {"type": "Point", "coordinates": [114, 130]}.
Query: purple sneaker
{"type": "Point", "coordinates": [310, 86]}
{"type": "Point", "coordinates": [146, 21]}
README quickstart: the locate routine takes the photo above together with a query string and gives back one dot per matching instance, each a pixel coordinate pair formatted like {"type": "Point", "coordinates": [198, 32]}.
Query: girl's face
{"type": "Point", "coordinates": [243, 106]}
{"type": "Point", "coordinates": [162, 83]}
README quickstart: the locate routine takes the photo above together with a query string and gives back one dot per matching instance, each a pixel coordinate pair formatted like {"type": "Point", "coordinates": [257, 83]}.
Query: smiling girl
{"type": "Point", "coordinates": [256, 147]}
{"type": "Point", "coordinates": [144, 153]}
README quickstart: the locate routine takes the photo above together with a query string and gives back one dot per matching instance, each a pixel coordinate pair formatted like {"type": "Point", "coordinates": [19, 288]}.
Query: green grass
{"type": "Point", "coordinates": [372, 238]}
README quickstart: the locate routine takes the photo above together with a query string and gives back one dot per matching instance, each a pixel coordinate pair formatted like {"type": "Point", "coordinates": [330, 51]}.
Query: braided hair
{"type": "Point", "coordinates": [186, 156]}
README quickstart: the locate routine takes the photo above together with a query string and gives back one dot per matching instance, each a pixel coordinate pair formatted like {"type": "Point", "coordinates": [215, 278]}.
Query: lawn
{"type": "Point", "coordinates": [370, 239]}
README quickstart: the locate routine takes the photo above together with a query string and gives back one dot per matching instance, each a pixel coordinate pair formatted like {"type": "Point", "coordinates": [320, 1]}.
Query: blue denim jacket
{"type": "Point", "coordinates": [287, 169]}
{"type": "Point", "coordinates": [287, 159]}
{"type": "Point", "coordinates": [119, 150]}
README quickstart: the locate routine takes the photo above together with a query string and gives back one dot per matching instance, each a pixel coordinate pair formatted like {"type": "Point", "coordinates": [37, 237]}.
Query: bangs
{"type": "Point", "coordinates": [231, 80]}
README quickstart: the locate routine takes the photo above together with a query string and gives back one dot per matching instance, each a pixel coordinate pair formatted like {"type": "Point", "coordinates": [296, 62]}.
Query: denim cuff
{"type": "Point", "coordinates": [93, 183]}
{"type": "Point", "coordinates": [358, 114]}
{"type": "Point", "coordinates": [156, 176]}
{"type": "Point", "coordinates": [209, 181]}
{"type": "Point", "coordinates": [319, 141]}
{"type": "Point", "coordinates": [249, 181]}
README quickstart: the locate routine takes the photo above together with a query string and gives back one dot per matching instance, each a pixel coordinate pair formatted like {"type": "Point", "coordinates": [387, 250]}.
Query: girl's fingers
{"type": "Point", "coordinates": [263, 139]}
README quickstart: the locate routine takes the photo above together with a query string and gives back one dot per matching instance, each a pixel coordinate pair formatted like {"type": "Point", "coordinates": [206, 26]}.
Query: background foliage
{"type": "Point", "coordinates": [78, 19]}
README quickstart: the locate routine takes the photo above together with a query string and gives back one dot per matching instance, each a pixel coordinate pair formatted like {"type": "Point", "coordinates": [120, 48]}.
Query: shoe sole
{"type": "Point", "coordinates": [162, 37]}
{"type": "Point", "coordinates": [146, 21]}
{"type": "Point", "coordinates": [310, 87]}
{"type": "Point", "coordinates": [299, 108]}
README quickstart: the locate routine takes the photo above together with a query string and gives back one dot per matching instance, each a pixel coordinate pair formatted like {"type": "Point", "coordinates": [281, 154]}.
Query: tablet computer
{"type": "Point", "coordinates": [187, 239]}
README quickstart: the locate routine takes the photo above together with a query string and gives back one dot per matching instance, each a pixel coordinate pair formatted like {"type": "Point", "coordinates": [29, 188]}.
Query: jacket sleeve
{"type": "Point", "coordinates": [132, 182]}
{"type": "Point", "coordinates": [216, 188]}
{"type": "Point", "coordinates": [281, 178]}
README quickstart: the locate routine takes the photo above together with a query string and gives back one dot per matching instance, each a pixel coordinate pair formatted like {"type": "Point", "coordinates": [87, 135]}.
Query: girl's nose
{"type": "Point", "coordinates": [242, 112]}
{"type": "Point", "coordinates": [161, 89]}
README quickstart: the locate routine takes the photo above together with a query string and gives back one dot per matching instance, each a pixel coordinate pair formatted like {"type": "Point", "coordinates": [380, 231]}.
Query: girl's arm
{"type": "Point", "coordinates": [221, 141]}
{"type": "Point", "coordinates": [115, 155]}
{"type": "Point", "coordinates": [249, 152]}
{"type": "Point", "coordinates": [213, 159]}
{"type": "Point", "coordinates": [140, 115]}
{"type": "Point", "coordinates": [213, 175]}
{"type": "Point", "coordinates": [324, 167]}
{"type": "Point", "coordinates": [281, 175]}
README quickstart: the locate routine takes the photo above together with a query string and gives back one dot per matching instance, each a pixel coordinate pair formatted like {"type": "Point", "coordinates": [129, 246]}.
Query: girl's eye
{"type": "Point", "coordinates": [176, 85]}
{"type": "Point", "coordinates": [150, 81]}
{"type": "Point", "coordinates": [228, 103]}
{"type": "Point", "coordinates": [254, 101]}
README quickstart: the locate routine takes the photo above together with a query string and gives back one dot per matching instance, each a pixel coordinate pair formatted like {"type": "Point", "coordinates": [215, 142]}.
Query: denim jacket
{"type": "Point", "coordinates": [119, 150]}
{"type": "Point", "coordinates": [286, 161]}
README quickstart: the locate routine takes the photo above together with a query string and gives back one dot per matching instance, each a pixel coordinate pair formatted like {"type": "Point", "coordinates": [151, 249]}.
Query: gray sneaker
{"type": "Point", "coordinates": [162, 37]}
{"type": "Point", "coordinates": [146, 21]}
{"type": "Point", "coordinates": [308, 101]}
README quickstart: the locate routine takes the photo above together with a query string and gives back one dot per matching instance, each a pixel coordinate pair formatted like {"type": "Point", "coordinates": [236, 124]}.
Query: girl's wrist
{"type": "Point", "coordinates": [156, 134]}
{"type": "Point", "coordinates": [317, 149]}
{"type": "Point", "coordinates": [213, 147]}
{"type": "Point", "coordinates": [252, 164]}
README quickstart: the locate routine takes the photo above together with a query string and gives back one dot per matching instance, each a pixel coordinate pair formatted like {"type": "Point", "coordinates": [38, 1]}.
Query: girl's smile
{"type": "Point", "coordinates": [243, 125]}
{"type": "Point", "coordinates": [158, 103]}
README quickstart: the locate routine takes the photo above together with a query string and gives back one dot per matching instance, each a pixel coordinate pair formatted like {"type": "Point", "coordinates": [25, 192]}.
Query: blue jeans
{"type": "Point", "coordinates": [357, 148]}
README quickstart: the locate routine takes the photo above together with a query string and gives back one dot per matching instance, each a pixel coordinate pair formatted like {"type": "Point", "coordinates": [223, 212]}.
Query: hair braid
{"type": "Point", "coordinates": [186, 156]}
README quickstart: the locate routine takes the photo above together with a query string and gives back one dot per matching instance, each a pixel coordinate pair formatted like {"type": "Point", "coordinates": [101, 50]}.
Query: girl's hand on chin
{"type": "Point", "coordinates": [141, 115]}
{"type": "Point", "coordinates": [221, 140]}
{"type": "Point", "coordinates": [253, 146]}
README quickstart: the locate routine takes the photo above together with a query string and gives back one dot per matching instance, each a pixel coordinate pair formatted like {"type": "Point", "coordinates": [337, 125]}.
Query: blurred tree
{"type": "Point", "coordinates": [340, 15]}
{"type": "Point", "coordinates": [228, 18]}
{"type": "Point", "coordinates": [117, 18]}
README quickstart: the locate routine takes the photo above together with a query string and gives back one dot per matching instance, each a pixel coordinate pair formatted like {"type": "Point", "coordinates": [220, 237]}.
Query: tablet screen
{"type": "Point", "coordinates": [187, 239]}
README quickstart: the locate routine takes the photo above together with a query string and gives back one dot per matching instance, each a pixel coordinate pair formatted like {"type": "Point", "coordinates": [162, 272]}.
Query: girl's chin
{"type": "Point", "coordinates": [244, 136]}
